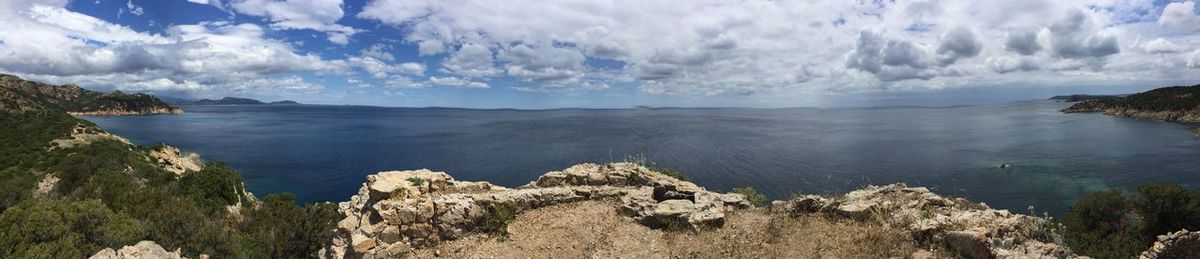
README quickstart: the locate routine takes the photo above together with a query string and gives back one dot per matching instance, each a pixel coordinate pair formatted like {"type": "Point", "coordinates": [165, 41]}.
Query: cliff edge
{"type": "Point", "coordinates": [642, 213]}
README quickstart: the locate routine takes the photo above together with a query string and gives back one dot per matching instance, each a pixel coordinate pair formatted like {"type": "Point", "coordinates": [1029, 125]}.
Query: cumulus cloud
{"type": "Point", "coordinates": [890, 60]}
{"type": "Point", "coordinates": [455, 81]}
{"type": "Point", "coordinates": [1024, 42]}
{"type": "Point", "coordinates": [1006, 65]}
{"type": "Point", "coordinates": [1075, 37]}
{"type": "Point", "coordinates": [471, 60]}
{"type": "Point", "coordinates": [318, 15]}
{"type": "Point", "coordinates": [958, 43]}
{"type": "Point", "coordinates": [543, 63]}
{"type": "Point", "coordinates": [62, 46]}
{"type": "Point", "coordinates": [1161, 46]}
{"type": "Point", "coordinates": [1180, 16]}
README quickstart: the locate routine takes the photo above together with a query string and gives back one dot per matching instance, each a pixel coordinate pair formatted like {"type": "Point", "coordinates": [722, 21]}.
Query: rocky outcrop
{"type": "Point", "coordinates": [1181, 244]}
{"type": "Point", "coordinates": [395, 212]}
{"type": "Point", "coordinates": [174, 161]}
{"type": "Point", "coordinates": [83, 135]}
{"type": "Point", "coordinates": [142, 250]}
{"type": "Point", "coordinates": [1187, 116]}
{"type": "Point", "coordinates": [968, 229]}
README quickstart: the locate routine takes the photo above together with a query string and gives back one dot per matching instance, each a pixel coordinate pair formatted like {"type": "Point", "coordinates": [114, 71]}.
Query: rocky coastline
{"type": "Point", "coordinates": [1175, 103]}
{"type": "Point", "coordinates": [1089, 106]}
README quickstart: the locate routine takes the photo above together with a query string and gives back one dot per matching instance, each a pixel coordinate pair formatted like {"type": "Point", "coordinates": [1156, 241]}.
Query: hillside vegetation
{"type": "Point", "coordinates": [1175, 103]}
{"type": "Point", "coordinates": [20, 95]}
{"type": "Point", "coordinates": [72, 201]}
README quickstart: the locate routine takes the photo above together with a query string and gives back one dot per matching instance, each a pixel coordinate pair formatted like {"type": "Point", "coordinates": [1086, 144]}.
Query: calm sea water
{"type": "Point", "coordinates": [323, 153]}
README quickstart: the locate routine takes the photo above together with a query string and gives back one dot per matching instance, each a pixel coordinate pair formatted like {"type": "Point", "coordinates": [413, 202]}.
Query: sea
{"type": "Point", "coordinates": [323, 153]}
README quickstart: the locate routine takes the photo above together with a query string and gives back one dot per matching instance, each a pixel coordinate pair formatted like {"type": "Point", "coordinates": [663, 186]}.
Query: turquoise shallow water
{"type": "Point", "coordinates": [323, 153]}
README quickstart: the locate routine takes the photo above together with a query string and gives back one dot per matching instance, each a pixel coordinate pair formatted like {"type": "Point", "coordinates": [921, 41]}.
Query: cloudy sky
{"type": "Point", "coordinates": [595, 53]}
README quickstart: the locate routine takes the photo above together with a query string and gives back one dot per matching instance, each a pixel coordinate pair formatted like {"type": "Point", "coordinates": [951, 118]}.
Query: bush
{"type": "Point", "coordinates": [283, 230]}
{"type": "Point", "coordinates": [499, 215]}
{"type": "Point", "coordinates": [1167, 208]}
{"type": "Point", "coordinates": [49, 228]}
{"type": "Point", "coordinates": [1103, 225]}
{"type": "Point", "coordinates": [214, 186]}
{"type": "Point", "coordinates": [753, 196]}
{"type": "Point", "coordinates": [1108, 224]}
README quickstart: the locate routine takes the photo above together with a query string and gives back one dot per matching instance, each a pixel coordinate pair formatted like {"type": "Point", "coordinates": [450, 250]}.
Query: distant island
{"type": "Point", "coordinates": [237, 101]}
{"type": "Point", "coordinates": [75, 100]}
{"type": "Point", "coordinates": [1175, 103]}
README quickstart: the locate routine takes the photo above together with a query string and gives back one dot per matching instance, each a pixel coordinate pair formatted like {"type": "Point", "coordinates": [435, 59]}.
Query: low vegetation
{"type": "Point", "coordinates": [499, 216]}
{"type": "Point", "coordinates": [1113, 224]}
{"type": "Point", "coordinates": [753, 196]}
{"type": "Point", "coordinates": [110, 194]}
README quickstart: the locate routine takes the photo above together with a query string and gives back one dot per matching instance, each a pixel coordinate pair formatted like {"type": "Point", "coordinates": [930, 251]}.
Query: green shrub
{"type": "Point", "coordinates": [1167, 208]}
{"type": "Point", "coordinates": [280, 229]}
{"type": "Point", "coordinates": [50, 228]}
{"type": "Point", "coordinates": [1103, 225]}
{"type": "Point", "coordinates": [214, 186]}
{"type": "Point", "coordinates": [416, 181]}
{"type": "Point", "coordinates": [753, 196]}
{"type": "Point", "coordinates": [1108, 224]}
{"type": "Point", "coordinates": [499, 216]}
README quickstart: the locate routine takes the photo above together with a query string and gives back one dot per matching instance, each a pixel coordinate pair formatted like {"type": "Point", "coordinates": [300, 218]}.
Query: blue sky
{"type": "Point", "coordinates": [532, 54]}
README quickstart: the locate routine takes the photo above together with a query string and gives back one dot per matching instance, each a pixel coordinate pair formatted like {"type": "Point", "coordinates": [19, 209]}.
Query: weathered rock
{"type": "Point", "coordinates": [83, 135]}
{"type": "Point", "coordinates": [970, 244]}
{"type": "Point", "coordinates": [46, 185]}
{"type": "Point", "coordinates": [1180, 244]}
{"type": "Point", "coordinates": [174, 161]}
{"type": "Point", "coordinates": [142, 250]}
{"type": "Point", "coordinates": [972, 230]}
{"type": "Point", "coordinates": [397, 211]}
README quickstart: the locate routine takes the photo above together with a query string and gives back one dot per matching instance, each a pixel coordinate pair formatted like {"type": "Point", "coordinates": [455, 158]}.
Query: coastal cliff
{"type": "Point", "coordinates": [1176, 103]}
{"type": "Point", "coordinates": [19, 95]}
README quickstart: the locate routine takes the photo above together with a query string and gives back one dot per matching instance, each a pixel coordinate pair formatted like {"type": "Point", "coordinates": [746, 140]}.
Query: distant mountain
{"type": "Point", "coordinates": [236, 101]}
{"type": "Point", "coordinates": [1176, 103]}
{"type": "Point", "coordinates": [1083, 97]}
{"type": "Point", "coordinates": [20, 96]}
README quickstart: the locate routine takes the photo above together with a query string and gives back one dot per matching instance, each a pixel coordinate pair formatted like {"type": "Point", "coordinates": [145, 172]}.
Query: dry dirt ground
{"type": "Point", "coordinates": [593, 229]}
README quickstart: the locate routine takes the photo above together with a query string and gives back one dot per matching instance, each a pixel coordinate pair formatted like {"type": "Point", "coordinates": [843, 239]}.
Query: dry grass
{"type": "Point", "coordinates": [594, 229]}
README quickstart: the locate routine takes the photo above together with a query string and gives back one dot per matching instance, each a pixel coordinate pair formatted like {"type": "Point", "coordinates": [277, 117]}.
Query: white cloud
{"type": "Point", "coordinates": [51, 43]}
{"type": "Point", "coordinates": [1180, 16]}
{"type": "Point", "coordinates": [411, 68]}
{"type": "Point", "coordinates": [715, 47]}
{"type": "Point", "coordinates": [131, 8]}
{"type": "Point", "coordinates": [1161, 46]}
{"type": "Point", "coordinates": [455, 81]}
{"type": "Point", "coordinates": [403, 82]}
{"type": "Point", "coordinates": [471, 60]}
{"type": "Point", "coordinates": [318, 15]}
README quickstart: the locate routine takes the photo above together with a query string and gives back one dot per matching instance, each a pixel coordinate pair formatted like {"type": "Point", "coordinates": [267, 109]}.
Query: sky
{"type": "Point", "coordinates": [596, 53]}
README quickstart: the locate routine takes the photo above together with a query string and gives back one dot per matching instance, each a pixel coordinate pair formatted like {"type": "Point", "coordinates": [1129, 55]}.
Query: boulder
{"type": "Point", "coordinates": [1180, 244]}
{"type": "Point", "coordinates": [141, 250]}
